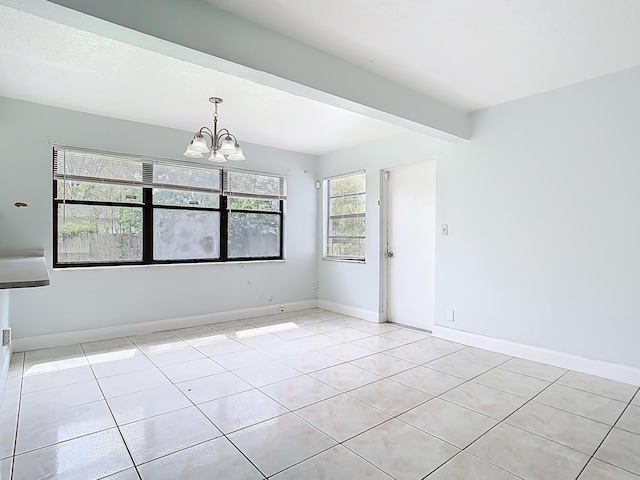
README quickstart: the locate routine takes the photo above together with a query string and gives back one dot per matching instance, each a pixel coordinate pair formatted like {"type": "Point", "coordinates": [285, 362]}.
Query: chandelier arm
{"type": "Point", "coordinates": [206, 130]}
{"type": "Point", "coordinates": [226, 133]}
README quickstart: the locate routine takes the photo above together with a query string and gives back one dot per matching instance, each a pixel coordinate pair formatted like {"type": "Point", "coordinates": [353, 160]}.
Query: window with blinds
{"type": "Point", "coordinates": [113, 209]}
{"type": "Point", "coordinates": [345, 215]}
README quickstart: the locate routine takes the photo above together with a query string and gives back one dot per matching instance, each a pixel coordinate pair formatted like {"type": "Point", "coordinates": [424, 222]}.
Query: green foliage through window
{"type": "Point", "coordinates": [345, 214]}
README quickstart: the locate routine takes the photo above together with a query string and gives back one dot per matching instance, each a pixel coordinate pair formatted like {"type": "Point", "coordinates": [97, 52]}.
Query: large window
{"type": "Point", "coordinates": [113, 209]}
{"type": "Point", "coordinates": [345, 212]}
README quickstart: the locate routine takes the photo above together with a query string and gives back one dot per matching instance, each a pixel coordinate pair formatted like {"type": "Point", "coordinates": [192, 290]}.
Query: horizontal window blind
{"type": "Point", "coordinates": [81, 165]}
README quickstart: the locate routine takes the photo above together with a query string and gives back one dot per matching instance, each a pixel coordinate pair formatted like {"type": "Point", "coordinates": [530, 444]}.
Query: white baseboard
{"type": "Point", "coordinates": [349, 310]}
{"type": "Point", "coordinates": [613, 371]}
{"type": "Point", "coordinates": [94, 334]}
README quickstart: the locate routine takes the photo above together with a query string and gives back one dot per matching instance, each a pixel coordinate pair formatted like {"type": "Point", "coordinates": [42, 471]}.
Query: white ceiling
{"type": "Point", "coordinates": [46, 62]}
{"type": "Point", "coordinates": [470, 54]}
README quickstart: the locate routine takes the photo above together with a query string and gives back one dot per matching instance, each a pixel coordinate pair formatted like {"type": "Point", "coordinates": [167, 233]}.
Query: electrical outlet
{"type": "Point", "coordinates": [6, 337]}
{"type": "Point", "coordinates": [444, 229]}
{"type": "Point", "coordinates": [281, 308]}
{"type": "Point", "coordinates": [314, 285]}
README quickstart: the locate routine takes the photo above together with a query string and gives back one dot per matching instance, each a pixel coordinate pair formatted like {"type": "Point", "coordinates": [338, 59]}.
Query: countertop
{"type": "Point", "coordinates": [23, 269]}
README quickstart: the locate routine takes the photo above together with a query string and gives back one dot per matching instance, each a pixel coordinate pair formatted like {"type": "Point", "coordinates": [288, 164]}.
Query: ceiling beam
{"type": "Point", "coordinates": [196, 32]}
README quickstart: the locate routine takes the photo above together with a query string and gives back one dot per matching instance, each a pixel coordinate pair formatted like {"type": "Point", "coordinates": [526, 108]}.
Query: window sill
{"type": "Point", "coordinates": [164, 265]}
{"type": "Point", "coordinates": [343, 260]}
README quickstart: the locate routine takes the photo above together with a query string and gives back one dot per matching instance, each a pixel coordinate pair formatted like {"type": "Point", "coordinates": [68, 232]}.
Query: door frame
{"type": "Point", "coordinates": [384, 238]}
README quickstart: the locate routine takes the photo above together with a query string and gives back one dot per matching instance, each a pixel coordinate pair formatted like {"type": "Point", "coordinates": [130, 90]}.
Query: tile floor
{"type": "Point", "coordinates": [309, 395]}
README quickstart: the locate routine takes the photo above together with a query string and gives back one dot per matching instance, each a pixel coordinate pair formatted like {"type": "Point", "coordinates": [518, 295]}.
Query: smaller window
{"type": "Point", "coordinates": [345, 212]}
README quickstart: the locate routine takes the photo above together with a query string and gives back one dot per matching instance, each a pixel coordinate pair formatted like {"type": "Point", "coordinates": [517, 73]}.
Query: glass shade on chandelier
{"type": "Point", "coordinates": [217, 157]}
{"type": "Point", "coordinates": [222, 144]}
{"type": "Point", "coordinates": [228, 146]}
{"type": "Point", "coordinates": [199, 144]}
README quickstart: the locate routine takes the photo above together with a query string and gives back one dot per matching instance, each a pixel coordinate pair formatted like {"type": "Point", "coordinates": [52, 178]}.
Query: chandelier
{"type": "Point", "coordinates": [222, 144]}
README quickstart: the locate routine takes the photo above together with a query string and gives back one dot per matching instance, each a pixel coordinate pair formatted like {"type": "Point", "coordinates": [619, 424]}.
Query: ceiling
{"type": "Point", "coordinates": [469, 54]}
{"type": "Point", "coordinates": [466, 53]}
{"type": "Point", "coordinates": [50, 63]}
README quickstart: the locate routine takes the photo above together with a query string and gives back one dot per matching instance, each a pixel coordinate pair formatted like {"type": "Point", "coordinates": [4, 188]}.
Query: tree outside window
{"type": "Point", "coordinates": [345, 214]}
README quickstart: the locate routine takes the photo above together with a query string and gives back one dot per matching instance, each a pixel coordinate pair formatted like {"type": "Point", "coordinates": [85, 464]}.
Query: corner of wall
{"type": "Point", "coordinates": [5, 352]}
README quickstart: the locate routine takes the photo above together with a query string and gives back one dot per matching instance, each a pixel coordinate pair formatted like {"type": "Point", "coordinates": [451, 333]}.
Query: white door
{"type": "Point", "coordinates": [411, 242]}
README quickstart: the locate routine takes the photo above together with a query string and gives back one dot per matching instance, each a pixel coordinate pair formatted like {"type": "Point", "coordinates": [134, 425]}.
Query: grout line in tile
{"type": "Point", "coordinates": [577, 414]}
{"type": "Point", "coordinates": [194, 405]}
{"type": "Point", "coordinates": [612, 464]}
{"type": "Point", "coordinates": [593, 393]}
{"type": "Point", "coordinates": [339, 444]}
{"type": "Point", "coordinates": [499, 422]}
{"type": "Point", "coordinates": [604, 438]}
{"type": "Point", "coordinates": [230, 371]}
{"type": "Point", "coordinates": [15, 438]}
{"type": "Point", "coordinates": [526, 403]}
{"type": "Point", "coordinates": [526, 374]}
{"type": "Point", "coordinates": [112, 415]}
{"type": "Point", "coordinates": [245, 456]}
{"type": "Point", "coordinates": [479, 458]}
{"type": "Point", "coordinates": [181, 449]}
{"type": "Point", "coordinates": [349, 392]}
{"type": "Point", "coordinates": [68, 439]}
{"type": "Point", "coordinates": [223, 435]}
{"type": "Point", "coordinates": [333, 396]}
{"type": "Point", "coordinates": [392, 417]}
{"type": "Point", "coordinates": [443, 463]}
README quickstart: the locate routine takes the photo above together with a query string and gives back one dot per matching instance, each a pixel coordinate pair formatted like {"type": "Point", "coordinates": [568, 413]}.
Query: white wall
{"type": "Point", "coordinates": [354, 284]}
{"type": "Point", "coordinates": [100, 297]}
{"type": "Point", "coordinates": [544, 223]}
{"type": "Point", "coordinates": [5, 352]}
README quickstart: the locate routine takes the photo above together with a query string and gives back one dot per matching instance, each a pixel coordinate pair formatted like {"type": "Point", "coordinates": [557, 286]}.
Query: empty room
{"type": "Point", "coordinates": [319, 239]}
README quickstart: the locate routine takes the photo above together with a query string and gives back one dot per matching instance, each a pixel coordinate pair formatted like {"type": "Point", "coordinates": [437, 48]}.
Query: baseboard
{"type": "Point", "coordinates": [94, 334]}
{"type": "Point", "coordinates": [613, 371]}
{"type": "Point", "coordinates": [349, 310]}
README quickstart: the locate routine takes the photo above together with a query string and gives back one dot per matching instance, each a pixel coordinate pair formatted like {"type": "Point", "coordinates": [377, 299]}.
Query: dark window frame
{"type": "Point", "coordinates": [148, 208]}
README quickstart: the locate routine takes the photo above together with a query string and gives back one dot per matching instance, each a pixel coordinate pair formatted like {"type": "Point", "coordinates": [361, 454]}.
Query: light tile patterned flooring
{"type": "Point", "coordinates": [309, 395]}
